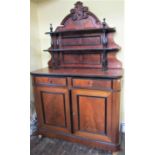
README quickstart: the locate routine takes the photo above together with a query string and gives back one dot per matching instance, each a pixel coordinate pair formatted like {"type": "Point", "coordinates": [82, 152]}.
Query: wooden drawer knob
{"type": "Point", "coordinates": [50, 81]}
{"type": "Point", "coordinates": [90, 83]}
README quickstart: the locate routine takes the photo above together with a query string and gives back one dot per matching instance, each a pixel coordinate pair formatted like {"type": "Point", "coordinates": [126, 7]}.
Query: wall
{"type": "Point", "coordinates": [35, 49]}
{"type": "Point", "coordinates": [53, 11]}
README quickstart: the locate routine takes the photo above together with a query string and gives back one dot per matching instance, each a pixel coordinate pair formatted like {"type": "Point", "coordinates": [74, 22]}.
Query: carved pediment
{"type": "Point", "coordinates": [79, 12]}
{"type": "Point", "coordinates": [80, 18]}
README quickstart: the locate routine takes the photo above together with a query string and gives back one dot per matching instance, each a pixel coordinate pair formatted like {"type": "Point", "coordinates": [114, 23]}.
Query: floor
{"type": "Point", "coordinates": [48, 146]}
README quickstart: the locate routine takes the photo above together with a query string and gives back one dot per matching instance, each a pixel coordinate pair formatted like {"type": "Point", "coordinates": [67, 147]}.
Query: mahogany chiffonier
{"type": "Point", "coordinates": [77, 97]}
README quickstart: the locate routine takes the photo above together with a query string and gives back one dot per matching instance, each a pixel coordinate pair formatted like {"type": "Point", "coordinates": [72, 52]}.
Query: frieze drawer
{"type": "Point", "coordinates": [92, 83]}
{"type": "Point", "coordinates": [50, 81]}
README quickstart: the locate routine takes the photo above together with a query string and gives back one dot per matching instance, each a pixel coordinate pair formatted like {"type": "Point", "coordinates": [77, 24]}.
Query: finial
{"type": "Point", "coordinates": [78, 3]}
{"type": "Point", "coordinates": [104, 23]}
{"type": "Point", "coordinates": [51, 28]}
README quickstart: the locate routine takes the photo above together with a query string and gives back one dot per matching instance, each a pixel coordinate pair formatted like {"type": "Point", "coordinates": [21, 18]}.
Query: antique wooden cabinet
{"type": "Point", "coordinates": [77, 97]}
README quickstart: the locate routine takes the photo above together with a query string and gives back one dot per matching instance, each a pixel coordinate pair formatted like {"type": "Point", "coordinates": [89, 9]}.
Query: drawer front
{"type": "Point", "coordinates": [50, 81]}
{"type": "Point", "coordinates": [92, 83]}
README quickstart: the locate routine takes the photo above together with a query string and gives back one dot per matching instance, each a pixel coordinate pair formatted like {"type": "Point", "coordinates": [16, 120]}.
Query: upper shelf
{"type": "Point", "coordinates": [83, 31]}
{"type": "Point", "coordinates": [76, 50]}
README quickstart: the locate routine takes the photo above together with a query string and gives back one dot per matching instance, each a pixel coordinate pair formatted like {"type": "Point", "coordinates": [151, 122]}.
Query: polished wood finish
{"type": "Point", "coordinates": [92, 114]}
{"type": "Point", "coordinates": [91, 83]}
{"type": "Point", "coordinates": [79, 114]}
{"type": "Point", "coordinates": [77, 96]}
{"type": "Point", "coordinates": [80, 72]}
{"type": "Point", "coordinates": [84, 41]}
{"type": "Point", "coordinates": [53, 108]}
{"type": "Point", "coordinates": [50, 81]}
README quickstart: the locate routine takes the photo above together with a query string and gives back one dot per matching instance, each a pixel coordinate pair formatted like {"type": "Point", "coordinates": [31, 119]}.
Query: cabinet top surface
{"type": "Point", "coordinates": [110, 73]}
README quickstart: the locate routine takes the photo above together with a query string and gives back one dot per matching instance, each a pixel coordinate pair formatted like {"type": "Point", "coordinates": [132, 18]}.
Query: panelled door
{"type": "Point", "coordinates": [52, 104]}
{"type": "Point", "coordinates": [92, 114]}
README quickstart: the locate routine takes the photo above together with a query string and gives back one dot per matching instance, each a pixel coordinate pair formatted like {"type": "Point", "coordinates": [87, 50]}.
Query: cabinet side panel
{"type": "Point", "coordinates": [115, 117]}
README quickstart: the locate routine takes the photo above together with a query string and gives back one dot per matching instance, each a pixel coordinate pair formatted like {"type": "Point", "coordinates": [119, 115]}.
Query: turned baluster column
{"type": "Point", "coordinates": [52, 46]}
{"type": "Point", "coordinates": [105, 44]}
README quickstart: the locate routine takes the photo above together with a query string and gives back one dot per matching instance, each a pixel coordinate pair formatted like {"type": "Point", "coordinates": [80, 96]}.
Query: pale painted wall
{"type": "Point", "coordinates": [35, 48]}
{"type": "Point", "coordinates": [53, 11]}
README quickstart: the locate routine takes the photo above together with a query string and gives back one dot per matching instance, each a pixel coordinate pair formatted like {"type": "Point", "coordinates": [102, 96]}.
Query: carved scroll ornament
{"type": "Point", "coordinates": [79, 12]}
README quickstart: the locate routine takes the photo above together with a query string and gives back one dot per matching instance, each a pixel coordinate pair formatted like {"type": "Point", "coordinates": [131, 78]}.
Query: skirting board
{"type": "Point", "coordinates": [123, 127]}
{"type": "Point", "coordinates": [115, 153]}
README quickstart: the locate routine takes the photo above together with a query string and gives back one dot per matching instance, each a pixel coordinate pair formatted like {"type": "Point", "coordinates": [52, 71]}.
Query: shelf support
{"type": "Point", "coordinates": [105, 44]}
{"type": "Point", "coordinates": [51, 62]}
